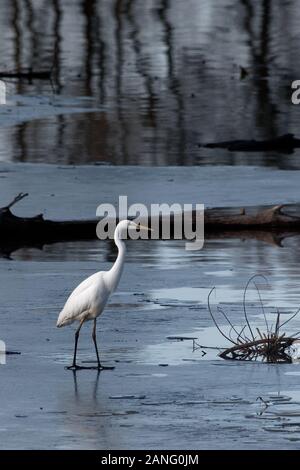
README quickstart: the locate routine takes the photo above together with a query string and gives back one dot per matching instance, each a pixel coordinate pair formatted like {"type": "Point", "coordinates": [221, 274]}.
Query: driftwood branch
{"type": "Point", "coordinates": [18, 198]}
{"type": "Point", "coordinates": [273, 349]}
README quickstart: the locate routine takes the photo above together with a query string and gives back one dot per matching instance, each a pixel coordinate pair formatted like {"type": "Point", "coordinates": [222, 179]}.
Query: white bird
{"type": "Point", "coordinates": [89, 299]}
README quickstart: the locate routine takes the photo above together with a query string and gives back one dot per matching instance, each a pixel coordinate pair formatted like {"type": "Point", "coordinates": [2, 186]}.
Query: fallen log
{"type": "Point", "coordinates": [38, 229]}
{"type": "Point", "coordinates": [285, 143]}
{"type": "Point", "coordinates": [254, 218]}
{"type": "Point", "coordinates": [269, 223]}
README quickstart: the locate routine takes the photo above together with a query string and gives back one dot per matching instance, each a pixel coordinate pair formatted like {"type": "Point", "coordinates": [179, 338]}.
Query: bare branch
{"type": "Point", "coordinates": [291, 318]}
{"type": "Point", "coordinates": [213, 318]}
{"type": "Point", "coordinates": [18, 198]}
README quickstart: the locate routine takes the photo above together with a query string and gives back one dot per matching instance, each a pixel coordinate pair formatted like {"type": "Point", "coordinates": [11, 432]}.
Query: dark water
{"type": "Point", "coordinates": [162, 293]}
{"type": "Point", "coordinates": [163, 75]}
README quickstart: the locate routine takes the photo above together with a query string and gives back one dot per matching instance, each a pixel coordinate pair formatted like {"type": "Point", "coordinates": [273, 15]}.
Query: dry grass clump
{"type": "Point", "coordinates": [271, 346]}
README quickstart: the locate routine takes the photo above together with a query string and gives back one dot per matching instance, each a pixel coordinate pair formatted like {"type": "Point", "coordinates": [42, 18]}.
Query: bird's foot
{"type": "Point", "coordinates": [74, 367]}
{"type": "Point", "coordinates": [99, 368]}
{"type": "Point", "coordinates": [105, 367]}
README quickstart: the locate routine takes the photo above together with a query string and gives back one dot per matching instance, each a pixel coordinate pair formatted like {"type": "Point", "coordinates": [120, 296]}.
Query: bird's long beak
{"type": "Point", "coordinates": [143, 227]}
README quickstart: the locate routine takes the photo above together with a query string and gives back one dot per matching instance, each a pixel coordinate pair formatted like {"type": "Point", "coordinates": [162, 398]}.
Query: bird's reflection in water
{"type": "Point", "coordinates": [87, 422]}
{"type": "Point", "coordinates": [95, 387]}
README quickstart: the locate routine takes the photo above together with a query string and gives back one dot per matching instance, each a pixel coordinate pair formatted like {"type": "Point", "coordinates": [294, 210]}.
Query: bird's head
{"type": "Point", "coordinates": [125, 225]}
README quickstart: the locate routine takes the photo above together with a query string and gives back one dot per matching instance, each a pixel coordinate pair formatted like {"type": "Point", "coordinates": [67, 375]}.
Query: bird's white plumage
{"type": "Point", "coordinates": [89, 298]}
{"type": "Point", "coordinates": [86, 301]}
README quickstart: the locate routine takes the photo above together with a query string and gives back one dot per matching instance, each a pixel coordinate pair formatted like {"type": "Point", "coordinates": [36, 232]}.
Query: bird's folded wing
{"type": "Point", "coordinates": [84, 285]}
{"type": "Point", "coordinates": [75, 308]}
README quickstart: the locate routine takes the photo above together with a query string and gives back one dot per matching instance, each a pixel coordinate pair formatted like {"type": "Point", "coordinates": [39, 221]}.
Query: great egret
{"type": "Point", "coordinates": [88, 300]}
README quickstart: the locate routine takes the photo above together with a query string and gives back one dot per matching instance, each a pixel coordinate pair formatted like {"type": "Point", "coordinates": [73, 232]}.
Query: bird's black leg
{"type": "Point", "coordinates": [95, 343]}
{"type": "Point", "coordinates": [99, 366]}
{"type": "Point", "coordinates": [74, 366]}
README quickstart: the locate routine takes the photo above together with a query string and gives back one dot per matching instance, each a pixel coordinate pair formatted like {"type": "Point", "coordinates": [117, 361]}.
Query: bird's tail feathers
{"type": "Point", "coordinates": [62, 320]}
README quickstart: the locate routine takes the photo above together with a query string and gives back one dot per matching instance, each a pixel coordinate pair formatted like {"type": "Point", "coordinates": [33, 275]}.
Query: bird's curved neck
{"type": "Point", "coordinates": [115, 272]}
